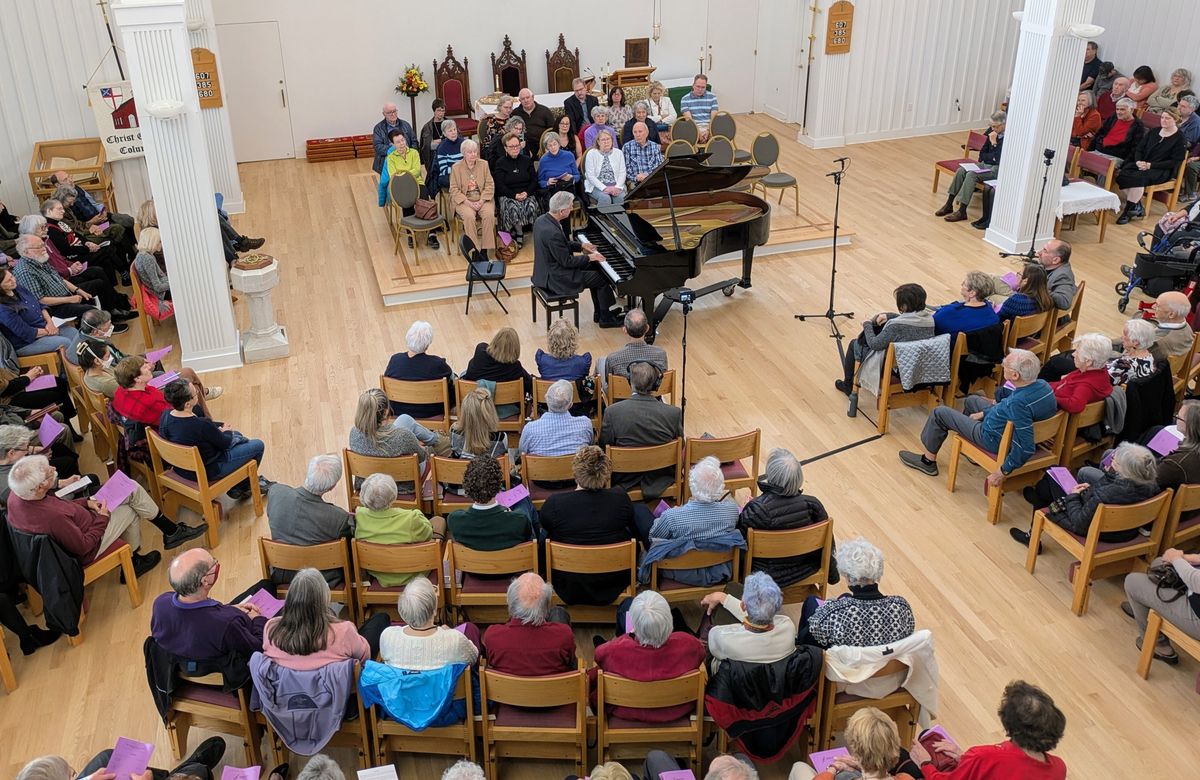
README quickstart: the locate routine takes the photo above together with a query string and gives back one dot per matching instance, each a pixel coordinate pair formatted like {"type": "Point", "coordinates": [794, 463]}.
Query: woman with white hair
{"type": "Point", "coordinates": [761, 634]}
{"type": "Point", "coordinates": [599, 125]}
{"type": "Point", "coordinates": [464, 770]}
{"type": "Point", "coordinates": [306, 635]}
{"type": "Point", "coordinates": [652, 651]}
{"type": "Point", "coordinates": [472, 192]}
{"type": "Point", "coordinates": [492, 127]}
{"type": "Point", "coordinates": [864, 617]}
{"type": "Point", "coordinates": [1130, 479]}
{"type": "Point", "coordinates": [415, 364]}
{"type": "Point", "coordinates": [376, 520]}
{"type": "Point", "coordinates": [1089, 382]}
{"type": "Point", "coordinates": [446, 153]}
{"type": "Point", "coordinates": [1134, 360]}
{"type": "Point", "coordinates": [641, 113]}
{"type": "Point", "coordinates": [420, 643]}
{"type": "Point", "coordinates": [782, 506]}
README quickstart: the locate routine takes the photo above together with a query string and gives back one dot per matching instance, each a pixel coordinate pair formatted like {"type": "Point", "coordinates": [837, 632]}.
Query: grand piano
{"type": "Point", "coordinates": [670, 224]}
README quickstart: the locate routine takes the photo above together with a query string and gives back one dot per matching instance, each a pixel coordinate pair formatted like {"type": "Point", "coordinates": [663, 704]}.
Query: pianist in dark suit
{"type": "Point", "coordinates": [560, 272]}
{"type": "Point", "coordinates": [642, 420]}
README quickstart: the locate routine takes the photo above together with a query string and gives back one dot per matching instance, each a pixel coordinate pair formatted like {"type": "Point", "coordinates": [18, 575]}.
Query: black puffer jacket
{"type": "Point", "coordinates": [1075, 511]}
{"type": "Point", "coordinates": [773, 511]}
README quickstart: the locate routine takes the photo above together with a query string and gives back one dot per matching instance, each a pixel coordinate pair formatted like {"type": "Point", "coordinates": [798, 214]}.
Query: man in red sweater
{"type": "Point", "coordinates": [1089, 382]}
{"type": "Point", "coordinates": [536, 641]}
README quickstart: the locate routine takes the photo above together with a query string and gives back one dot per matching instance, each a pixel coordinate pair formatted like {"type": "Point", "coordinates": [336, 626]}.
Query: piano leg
{"type": "Point", "coordinates": [747, 266]}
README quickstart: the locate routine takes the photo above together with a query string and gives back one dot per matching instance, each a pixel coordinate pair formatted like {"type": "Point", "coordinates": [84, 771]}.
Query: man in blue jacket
{"type": "Point", "coordinates": [984, 420]}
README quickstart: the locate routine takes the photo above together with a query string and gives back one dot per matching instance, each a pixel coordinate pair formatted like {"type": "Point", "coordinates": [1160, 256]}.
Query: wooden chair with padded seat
{"type": "Point", "coordinates": [621, 738]}
{"type": "Point", "coordinates": [1183, 519]}
{"type": "Point", "coordinates": [1181, 366]}
{"type": "Point", "coordinates": [974, 145]}
{"type": "Point", "coordinates": [77, 390]}
{"type": "Point", "coordinates": [393, 559]}
{"type": "Point", "coordinates": [428, 391]}
{"type": "Point", "coordinates": [534, 717]}
{"type": "Point", "coordinates": [353, 733]}
{"type": "Point", "coordinates": [1155, 625]}
{"type": "Point", "coordinates": [900, 706]}
{"type": "Point", "coordinates": [49, 361]}
{"type": "Point", "coordinates": [485, 597]}
{"type": "Point", "coordinates": [119, 555]}
{"type": "Point", "coordinates": [1048, 435]}
{"type": "Point", "coordinates": [765, 152]}
{"type": "Point", "coordinates": [1167, 192]}
{"type": "Point", "coordinates": [619, 389]}
{"type": "Point", "coordinates": [198, 494]}
{"type": "Point", "coordinates": [768, 545]}
{"type": "Point", "coordinates": [1075, 446]}
{"type": "Point", "coordinates": [892, 394]}
{"type": "Point", "coordinates": [730, 451]}
{"type": "Point", "coordinates": [402, 468]}
{"type": "Point", "coordinates": [593, 559]}
{"type": "Point", "coordinates": [1101, 560]}
{"type": "Point", "coordinates": [540, 386]}
{"type": "Point", "coordinates": [450, 471]}
{"type": "Point", "coordinates": [676, 592]}
{"type": "Point", "coordinates": [639, 460]}
{"type": "Point", "coordinates": [506, 393]}
{"type": "Point", "coordinates": [148, 319]}
{"type": "Point", "coordinates": [104, 435]}
{"type": "Point", "coordinates": [202, 701]}
{"type": "Point", "coordinates": [1064, 332]}
{"type": "Point", "coordinates": [679, 147]}
{"type": "Point", "coordinates": [546, 468]}
{"type": "Point", "coordinates": [1031, 332]}
{"type": "Point", "coordinates": [293, 557]}
{"type": "Point", "coordinates": [720, 151]}
{"type": "Point", "coordinates": [393, 737]}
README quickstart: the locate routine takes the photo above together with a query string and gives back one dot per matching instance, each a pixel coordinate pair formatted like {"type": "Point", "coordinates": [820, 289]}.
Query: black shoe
{"type": "Point", "coordinates": [1139, 212]}
{"type": "Point", "coordinates": [1125, 214]}
{"type": "Point", "coordinates": [597, 640]}
{"type": "Point", "coordinates": [844, 386]}
{"type": "Point", "coordinates": [246, 244]}
{"type": "Point", "coordinates": [281, 770]}
{"type": "Point", "coordinates": [183, 533]}
{"type": "Point", "coordinates": [611, 322]}
{"type": "Point", "coordinates": [264, 484]}
{"type": "Point", "coordinates": [981, 224]}
{"type": "Point", "coordinates": [410, 243]}
{"type": "Point", "coordinates": [143, 563]}
{"type": "Point", "coordinates": [209, 753]}
{"type": "Point", "coordinates": [1023, 538]}
{"type": "Point", "coordinates": [121, 315]}
{"type": "Point", "coordinates": [433, 242]}
{"type": "Point", "coordinates": [42, 637]}
{"type": "Point", "coordinates": [75, 437]}
{"type": "Point", "coordinates": [120, 327]}
{"type": "Point", "coordinates": [238, 493]}
{"type": "Point", "coordinates": [945, 209]}
{"type": "Point", "coordinates": [124, 279]}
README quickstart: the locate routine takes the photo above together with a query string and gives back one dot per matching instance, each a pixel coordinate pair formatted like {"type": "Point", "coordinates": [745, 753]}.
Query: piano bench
{"type": "Point", "coordinates": [553, 303]}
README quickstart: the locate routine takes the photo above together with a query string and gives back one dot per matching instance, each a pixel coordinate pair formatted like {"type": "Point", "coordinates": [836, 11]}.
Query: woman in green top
{"type": "Point", "coordinates": [379, 522]}
{"type": "Point", "coordinates": [404, 159]}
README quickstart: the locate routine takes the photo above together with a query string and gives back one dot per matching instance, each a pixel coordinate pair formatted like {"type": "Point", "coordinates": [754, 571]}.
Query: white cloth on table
{"type": "Point", "coordinates": [1081, 197]}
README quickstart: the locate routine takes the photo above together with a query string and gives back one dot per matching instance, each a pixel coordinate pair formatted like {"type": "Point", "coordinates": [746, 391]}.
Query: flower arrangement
{"type": "Point", "coordinates": [412, 82]}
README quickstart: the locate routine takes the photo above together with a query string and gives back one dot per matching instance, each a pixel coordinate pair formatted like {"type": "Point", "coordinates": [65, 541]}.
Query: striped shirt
{"type": "Point", "coordinates": [696, 520]}
{"type": "Point", "coordinates": [1023, 406]}
{"type": "Point", "coordinates": [633, 352]}
{"type": "Point", "coordinates": [701, 108]}
{"type": "Point", "coordinates": [640, 159]}
{"type": "Point", "coordinates": [556, 433]}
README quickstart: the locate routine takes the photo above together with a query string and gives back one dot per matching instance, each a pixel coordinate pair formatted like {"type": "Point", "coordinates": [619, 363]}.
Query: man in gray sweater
{"type": "Point", "coordinates": [1055, 257]}
{"type": "Point", "coordinates": [301, 516]}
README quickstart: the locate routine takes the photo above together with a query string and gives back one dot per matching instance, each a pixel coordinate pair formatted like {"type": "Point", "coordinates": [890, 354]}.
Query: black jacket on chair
{"type": "Point", "coordinates": [555, 268]}
{"type": "Point", "coordinates": [1148, 402]}
{"type": "Point", "coordinates": [1075, 511]}
{"type": "Point", "coordinates": [163, 671]}
{"type": "Point", "coordinates": [55, 574]}
{"type": "Point", "coordinates": [575, 111]}
{"type": "Point", "coordinates": [773, 511]}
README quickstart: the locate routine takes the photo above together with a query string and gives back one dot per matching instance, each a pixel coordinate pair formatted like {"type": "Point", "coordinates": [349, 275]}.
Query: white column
{"type": "Point", "coordinates": [160, 66]}
{"type": "Point", "coordinates": [202, 34]}
{"type": "Point", "coordinates": [1040, 110]}
{"type": "Point", "coordinates": [829, 85]}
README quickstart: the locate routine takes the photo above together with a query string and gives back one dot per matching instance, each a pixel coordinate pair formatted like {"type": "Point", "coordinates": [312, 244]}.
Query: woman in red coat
{"type": "Point", "coordinates": [1089, 382]}
{"type": "Point", "coordinates": [1087, 121]}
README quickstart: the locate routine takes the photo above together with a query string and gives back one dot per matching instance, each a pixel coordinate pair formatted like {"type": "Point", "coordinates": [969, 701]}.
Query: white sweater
{"type": "Point", "coordinates": [664, 112]}
{"type": "Point", "coordinates": [433, 651]}
{"type": "Point", "coordinates": [591, 169]}
{"type": "Point", "coordinates": [738, 643]}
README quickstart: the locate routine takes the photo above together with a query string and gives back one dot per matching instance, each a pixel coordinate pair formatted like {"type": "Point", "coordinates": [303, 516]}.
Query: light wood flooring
{"type": "Point", "coordinates": [750, 364]}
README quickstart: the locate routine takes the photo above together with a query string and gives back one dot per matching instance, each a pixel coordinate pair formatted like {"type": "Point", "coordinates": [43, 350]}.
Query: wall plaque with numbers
{"type": "Point", "coordinates": [204, 63]}
{"type": "Point", "coordinates": [841, 21]}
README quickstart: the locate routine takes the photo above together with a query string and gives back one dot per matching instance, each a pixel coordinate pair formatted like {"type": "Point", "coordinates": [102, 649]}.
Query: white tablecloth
{"type": "Point", "coordinates": [1081, 197]}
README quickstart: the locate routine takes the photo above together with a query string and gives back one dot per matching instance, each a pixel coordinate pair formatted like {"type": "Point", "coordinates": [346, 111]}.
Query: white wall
{"type": "Point", "coordinates": [48, 50]}
{"type": "Point", "coordinates": [341, 66]}
{"type": "Point", "coordinates": [1161, 34]}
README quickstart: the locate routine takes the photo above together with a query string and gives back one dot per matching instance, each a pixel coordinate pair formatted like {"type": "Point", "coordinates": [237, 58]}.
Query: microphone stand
{"type": "Point", "coordinates": [830, 314]}
{"type": "Point", "coordinates": [1047, 157]}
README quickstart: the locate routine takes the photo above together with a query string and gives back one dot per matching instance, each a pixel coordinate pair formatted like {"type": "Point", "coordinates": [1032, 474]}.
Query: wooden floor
{"type": "Point", "coordinates": [750, 364]}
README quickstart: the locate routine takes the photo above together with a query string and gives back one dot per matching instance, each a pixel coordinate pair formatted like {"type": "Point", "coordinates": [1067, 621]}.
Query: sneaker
{"type": "Point", "coordinates": [264, 484]}
{"type": "Point", "coordinates": [843, 386]}
{"type": "Point", "coordinates": [914, 460]}
{"type": "Point", "coordinates": [213, 392]}
{"type": "Point", "coordinates": [209, 753]}
{"type": "Point", "coordinates": [1126, 270]}
{"type": "Point", "coordinates": [1127, 608]}
{"type": "Point", "coordinates": [183, 533]}
{"type": "Point", "coordinates": [1023, 538]}
{"type": "Point", "coordinates": [246, 244]}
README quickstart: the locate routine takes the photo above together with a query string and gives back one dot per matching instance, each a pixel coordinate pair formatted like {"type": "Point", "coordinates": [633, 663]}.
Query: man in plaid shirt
{"type": "Point", "coordinates": [556, 432]}
{"type": "Point", "coordinates": [641, 156]}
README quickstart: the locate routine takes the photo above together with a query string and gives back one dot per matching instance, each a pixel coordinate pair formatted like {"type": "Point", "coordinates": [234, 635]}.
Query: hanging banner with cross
{"type": "Point", "coordinates": [116, 119]}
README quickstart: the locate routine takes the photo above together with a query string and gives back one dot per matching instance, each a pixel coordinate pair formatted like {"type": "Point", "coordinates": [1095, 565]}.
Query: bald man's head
{"type": "Point", "coordinates": [1172, 307]}
{"type": "Point", "coordinates": [188, 571]}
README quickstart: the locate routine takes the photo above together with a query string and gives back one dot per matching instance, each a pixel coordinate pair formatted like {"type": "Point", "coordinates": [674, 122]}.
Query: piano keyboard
{"type": "Point", "coordinates": [615, 265]}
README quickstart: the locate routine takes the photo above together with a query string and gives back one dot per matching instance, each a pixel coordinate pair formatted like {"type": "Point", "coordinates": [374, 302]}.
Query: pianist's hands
{"type": "Point", "coordinates": [595, 257]}
{"type": "Point", "coordinates": [589, 248]}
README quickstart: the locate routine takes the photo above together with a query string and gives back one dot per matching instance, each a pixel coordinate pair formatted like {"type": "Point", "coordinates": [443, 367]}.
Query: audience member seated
{"type": "Point", "coordinates": [570, 141]}
{"type": "Point", "coordinates": [1121, 133]}
{"type": "Point", "coordinates": [476, 431]}
{"type": "Point", "coordinates": [724, 767]}
{"type": "Point", "coordinates": [491, 128]}
{"type": "Point", "coordinates": [708, 521]}
{"type": "Point", "coordinates": [874, 745]}
{"type": "Point", "coordinates": [558, 271]}
{"type": "Point", "coordinates": [557, 170]}
{"type": "Point", "coordinates": [200, 765]}
{"type": "Point", "coordinates": [578, 107]}
{"type": "Point", "coordinates": [1033, 725]}
{"type": "Point", "coordinates": [652, 651]}
{"type": "Point", "coordinates": [431, 133]}
{"type": "Point", "coordinates": [223, 449]}
{"type": "Point", "coordinates": [962, 189]}
{"type": "Point", "coordinates": [537, 118]}
{"type": "Point", "coordinates": [642, 156]}
{"type": "Point", "coordinates": [1189, 125]}
{"type": "Point", "coordinates": [563, 361]}
{"type": "Point", "coordinates": [755, 630]}
{"type": "Point", "coordinates": [556, 432]}
{"type": "Point", "coordinates": [592, 515]}
{"type": "Point", "coordinates": [17, 441]}
{"type": "Point", "coordinates": [14, 387]}
{"type": "Point", "coordinates": [1031, 295]}
{"type": "Point", "coordinates": [1091, 67]}
{"type": "Point", "coordinates": [1164, 99]}
{"type": "Point", "coordinates": [1173, 335]}
{"type": "Point", "coordinates": [306, 635]}
{"type": "Point", "coordinates": [417, 365]}
{"type": "Point", "coordinates": [982, 420]}
{"type": "Point", "coordinates": [151, 269]}
{"type": "Point", "coordinates": [636, 326]}
{"type": "Point", "coordinates": [516, 188]}
{"type": "Point", "coordinates": [1129, 480]}
{"type": "Point", "coordinates": [1181, 611]}
{"type": "Point", "coordinates": [380, 134]}
{"type": "Point", "coordinates": [604, 171]}
{"type": "Point", "coordinates": [514, 126]}
{"type": "Point", "coordinates": [446, 155]}
{"type": "Point", "coordinates": [1156, 160]}
{"type": "Point", "coordinates": [96, 361]}
{"type": "Point", "coordinates": [1134, 361]}
{"type": "Point", "coordinates": [402, 159]}
{"type": "Point", "coordinates": [377, 521]}
{"type": "Point", "coordinates": [74, 247]}
{"type": "Point", "coordinates": [499, 360]}
{"type": "Point", "coordinates": [699, 105]}
{"type": "Point", "coordinates": [1143, 86]}
{"type": "Point", "coordinates": [1106, 101]}
{"type": "Point", "coordinates": [641, 113]}
{"type": "Point", "coordinates": [66, 296]}
{"type": "Point", "coordinates": [642, 421]}
{"type": "Point", "coordinates": [377, 434]}
{"type": "Point", "coordinates": [319, 767]}
{"type": "Point", "coordinates": [301, 516]}
{"type": "Point", "coordinates": [619, 113]}
{"type": "Point", "coordinates": [864, 617]}
{"type": "Point", "coordinates": [1181, 467]}
{"type": "Point", "coordinates": [487, 525]}
{"type": "Point", "coordinates": [537, 640]}
{"type": "Point", "coordinates": [84, 527]}
{"type": "Point", "coordinates": [782, 506]}
{"type": "Point", "coordinates": [101, 227]}
{"type": "Point", "coordinates": [420, 644]}
{"type": "Point", "coordinates": [1089, 382]}
{"type": "Point", "coordinates": [191, 625]}
{"type": "Point", "coordinates": [599, 125]}
{"type": "Point", "coordinates": [912, 323]}
{"type": "Point", "coordinates": [972, 313]}
{"type": "Point", "coordinates": [25, 322]}
{"type": "Point", "coordinates": [471, 193]}
{"type": "Point", "coordinates": [465, 770]}
{"type": "Point", "coordinates": [135, 399]}
{"type": "Point", "coordinates": [1086, 122]}
{"type": "Point", "coordinates": [1055, 258]}
{"type": "Point", "coordinates": [662, 110]}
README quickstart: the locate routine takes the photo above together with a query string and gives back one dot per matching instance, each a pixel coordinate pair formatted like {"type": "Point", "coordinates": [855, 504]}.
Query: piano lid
{"type": "Point", "coordinates": [688, 174]}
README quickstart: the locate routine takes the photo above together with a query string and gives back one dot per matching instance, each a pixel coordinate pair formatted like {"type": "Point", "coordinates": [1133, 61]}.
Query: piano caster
{"type": "Point", "coordinates": [728, 291]}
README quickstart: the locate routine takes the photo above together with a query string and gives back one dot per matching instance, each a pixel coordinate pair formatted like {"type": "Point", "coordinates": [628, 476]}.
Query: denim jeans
{"type": "Point", "coordinates": [423, 434]}
{"type": "Point", "coordinates": [66, 336]}
{"type": "Point", "coordinates": [242, 452]}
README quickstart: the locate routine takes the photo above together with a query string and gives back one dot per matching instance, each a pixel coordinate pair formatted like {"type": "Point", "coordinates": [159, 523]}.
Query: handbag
{"type": "Point", "coordinates": [425, 209]}
{"type": "Point", "coordinates": [1165, 578]}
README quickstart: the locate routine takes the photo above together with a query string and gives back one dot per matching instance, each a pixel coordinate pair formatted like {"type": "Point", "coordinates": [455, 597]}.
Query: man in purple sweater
{"type": "Point", "coordinates": [190, 624]}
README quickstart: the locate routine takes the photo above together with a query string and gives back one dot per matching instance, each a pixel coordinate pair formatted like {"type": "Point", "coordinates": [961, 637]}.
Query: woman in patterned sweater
{"type": "Point", "coordinates": [864, 617]}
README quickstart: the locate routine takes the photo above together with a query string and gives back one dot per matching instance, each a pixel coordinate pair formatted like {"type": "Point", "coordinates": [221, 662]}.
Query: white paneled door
{"type": "Point", "coordinates": [255, 91]}
{"type": "Point", "coordinates": [782, 63]}
{"type": "Point", "coordinates": [732, 56]}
